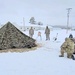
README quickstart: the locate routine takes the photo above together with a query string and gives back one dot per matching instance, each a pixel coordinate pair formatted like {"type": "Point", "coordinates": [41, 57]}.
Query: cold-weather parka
{"type": "Point", "coordinates": [47, 32]}
{"type": "Point", "coordinates": [68, 47]}
{"type": "Point", "coordinates": [31, 32]}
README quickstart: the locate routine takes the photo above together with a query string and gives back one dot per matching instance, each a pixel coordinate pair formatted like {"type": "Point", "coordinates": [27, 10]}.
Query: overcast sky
{"type": "Point", "coordinates": [51, 12]}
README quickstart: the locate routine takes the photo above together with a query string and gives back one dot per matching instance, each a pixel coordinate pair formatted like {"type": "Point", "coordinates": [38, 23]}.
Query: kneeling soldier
{"type": "Point", "coordinates": [67, 47]}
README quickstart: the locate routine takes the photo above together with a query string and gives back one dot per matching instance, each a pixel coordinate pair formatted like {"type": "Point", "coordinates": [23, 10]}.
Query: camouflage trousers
{"type": "Point", "coordinates": [69, 53]}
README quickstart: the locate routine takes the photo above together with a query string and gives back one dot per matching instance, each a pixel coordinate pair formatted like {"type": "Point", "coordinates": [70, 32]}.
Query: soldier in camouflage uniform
{"type": "Point", "coordinates": [67, 47]}
{"type": "Point", "coordinates": [31, 32]}
{"type": "Point", "coordinates": [47, 32]}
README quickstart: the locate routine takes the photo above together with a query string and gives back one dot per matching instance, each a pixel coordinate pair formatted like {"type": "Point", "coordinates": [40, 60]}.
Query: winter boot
{"type": "Point", "coordinates": [61, 55]}
{"type": "Point", "coordinates": [73, 57]}
{"type": "Point", "coordinates": [74, 53]}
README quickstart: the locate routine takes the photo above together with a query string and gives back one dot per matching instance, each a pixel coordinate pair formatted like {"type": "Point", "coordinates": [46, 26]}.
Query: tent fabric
{"type": "Point", "coordinates": [11, 37]}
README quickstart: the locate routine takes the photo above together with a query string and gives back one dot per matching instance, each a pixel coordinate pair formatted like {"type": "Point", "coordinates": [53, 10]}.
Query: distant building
{"type": "Point", "coordinates": [35, 27]}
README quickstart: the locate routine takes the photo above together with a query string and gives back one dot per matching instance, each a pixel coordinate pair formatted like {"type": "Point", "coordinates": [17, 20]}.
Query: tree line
{"type": "Point", "coordinates": [32, 21]}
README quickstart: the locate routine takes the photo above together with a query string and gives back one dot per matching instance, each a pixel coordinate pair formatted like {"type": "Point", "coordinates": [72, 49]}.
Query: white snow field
{"type": "Point", "coordinates": [44, 60]}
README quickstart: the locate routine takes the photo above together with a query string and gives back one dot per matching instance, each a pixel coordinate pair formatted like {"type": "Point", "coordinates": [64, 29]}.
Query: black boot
{"type": "Point", "coordinates": [73, 57]}
{"type": "Point", "coordinates": [61, 56]}
{"type": "Point", "coordinates": [74, 53]}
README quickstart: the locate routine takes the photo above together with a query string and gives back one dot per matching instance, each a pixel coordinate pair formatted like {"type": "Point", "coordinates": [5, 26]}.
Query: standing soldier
{"type": "Point", "coordinates": [31, 32]}
{"type": "Point", "coordinates": [47, 32]}
{"type": "Point", "coordinates": [67, 47]}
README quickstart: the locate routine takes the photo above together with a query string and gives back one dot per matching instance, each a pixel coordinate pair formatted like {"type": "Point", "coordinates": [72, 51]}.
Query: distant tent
{"type": "Point", "coordinates": [11, 37]}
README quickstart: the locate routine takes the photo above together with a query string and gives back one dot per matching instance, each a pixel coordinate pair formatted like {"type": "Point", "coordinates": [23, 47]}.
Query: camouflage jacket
{"type": "Point", "coordinates": [68, 45]}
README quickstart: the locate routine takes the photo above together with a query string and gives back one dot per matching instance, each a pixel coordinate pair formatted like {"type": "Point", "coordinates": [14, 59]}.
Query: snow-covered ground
{"type": "Point", "coordinates": [44, 60]}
